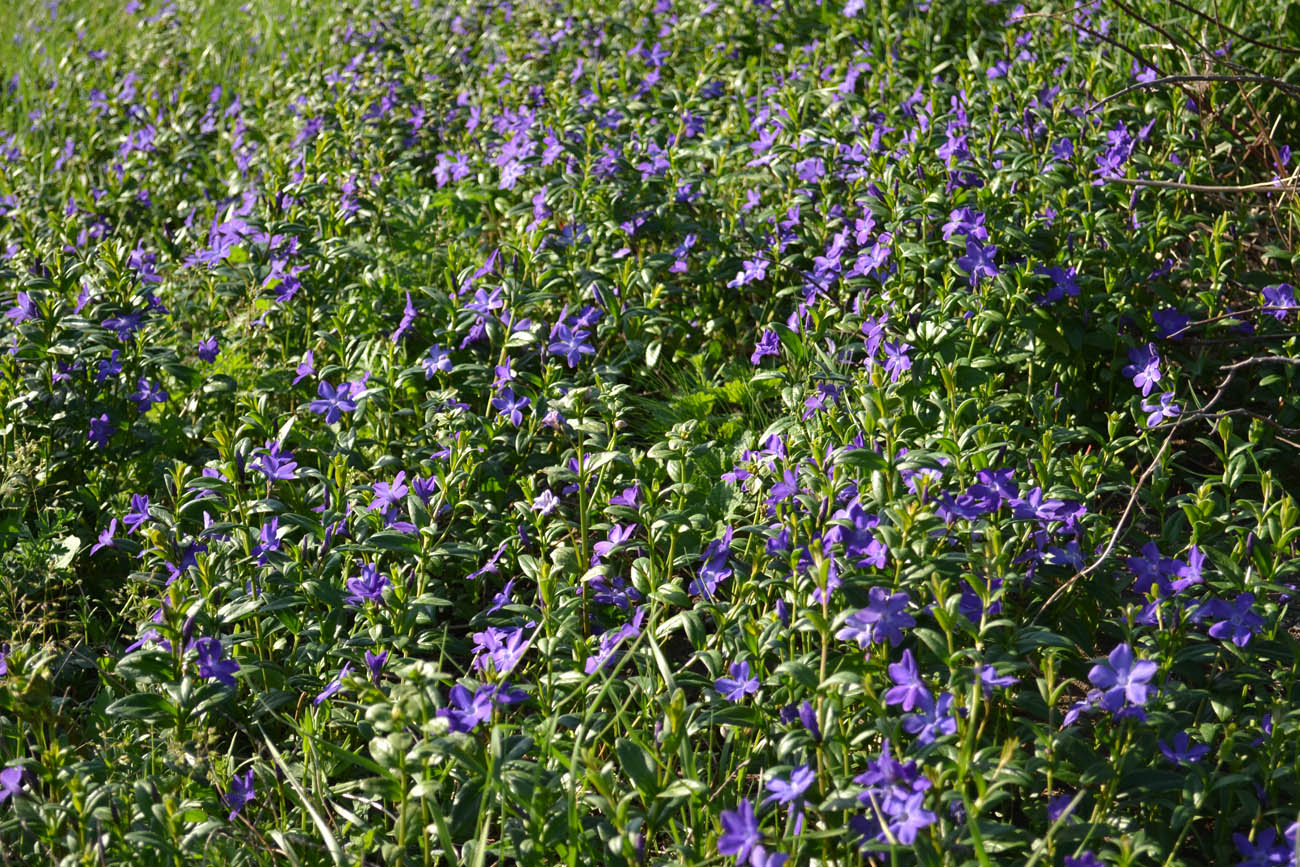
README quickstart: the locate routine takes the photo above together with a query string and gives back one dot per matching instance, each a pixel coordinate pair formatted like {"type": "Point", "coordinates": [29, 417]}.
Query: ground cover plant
{"type": "Point", "coordinates": [664, 432]}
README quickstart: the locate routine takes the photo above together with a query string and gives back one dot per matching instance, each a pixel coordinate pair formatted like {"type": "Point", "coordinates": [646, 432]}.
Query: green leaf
{"type": "Point", "coordinates": [1036, 637]}
{"type": "Point", "coordinates": [592, 463]}
{"type": "Point", "coordinates": [862, 459]}
{"type": "Point", "coordinates": [638, 764]}
{"type": "Point", "coordinates": [652, 354]}
{"type": "Point", "coordinates": [68, 547]}
{"type": "Point", "coordinates": [145, 706]}
{"type": "Point", "coordinates": [801, 673]}
{"type": "Point", "coordinates": [683, 788]}
{"type": "Point", "coordinates": [322, 827]}
{"type": "Point", "coordinates": [1291, 22]}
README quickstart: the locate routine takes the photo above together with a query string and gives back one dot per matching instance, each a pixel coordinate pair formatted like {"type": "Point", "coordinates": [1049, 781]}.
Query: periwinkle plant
{"type": "Point", "coordinates": [775, 434]}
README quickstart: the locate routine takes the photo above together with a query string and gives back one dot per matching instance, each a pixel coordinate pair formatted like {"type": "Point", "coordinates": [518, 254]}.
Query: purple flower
{"type": "Point", "coordinates": [1170, 321]}
{"type": "Point", "coordinates": [889, 782]}
{"type": "Point", "coordinates": [979, 261]}
{"type": "Point", "coordinates": [570, 344]}
{"type": "Point", "coordinates": [489, 566]}
{"type": "Point", "coordinates": [1153, 568]}
{"type": "Point", "coordinates": [24, 309]}
{"type": "Point", "coordinates": [389, 496]}
{"type": "Point", "coordinates": [1266, 851]}
{"type": "Point", "coordinates": [239, 794]}
{"type": "Point", "coordinates": [334, 686]}
{"type": "Point", "coordinates": [610, 641]}
{"type": "Point", "coordinates": [874, 329]}
{"type": "Point", "coordinates": [11, 783]}
{"type": "Point", "coordinates": [139, 514]}
{"type": "Point", "coordinates": [108, 368]}
{"type": "Point", "coordinates": [101, 431]}
{"type": "Point", "coordinates": [502, 598]}
{"type": "Point", "coordinates": [503, 647]}
{"type": "Point", "coordinates": [1280, 298]}
{"type": "Point", "coordinates": [872, 261]}
{"type": "Point", "coordinates": [1166, 408]}
{"type": "Point", "coordinates": [1123, 679]}
{"type": "Point", "coordinates": [792, 792]}
{"type": "Point", "coordinates": [333, 402]}
{"type": "Point", "coordinates": [1087, 859]}
{"type": "Point", "coordinates": [860, 543]}
{"type": "Point", "coordinates": [808, 717]}
{"type": "Point", "coordinates": [467, 709]}
{"type": "Point", "coordinates": [1191, 573]}
{"type": "Point", "coordinates": [485, 302]}
{"type": "Point", "coordinates": [739, 685]}
{"type": "Point", "coordinates": [545, 502]}
{"type": "Point", "coordinates": [1087, 704]}
{"type": "Point", "coordinates": [375, 664]}
{"type": "Point", "coordinates": [768, 344]}
{"type": "Point", "coordinates": [1182, 752]}
{"type": "Point", "coordinates": [368, 587]}
{"type": "Point", "coordinates": [789, 791]}
{"type": "Point", "coordinates": [408, 317]}
{"type": "Point", "coordinates": [270, 541]}
{"type": "Point", "coordinates": [1145, 367]}
{"type": "Point", "coordinates": [424, 488]}
{"type": "Point", "coordinates": [751, 271]}
{"type": "Point", "coordinates": [895, 793]}
{"type": "Point", "coordinates": [810, 170]}
{"type": "Point", "coordinates": [784, 489]}
{"type": "Point", "coordinates": [1239, 622]}
{"type": "Point", "coordinates": [511, 407]}
{"type": "Point", "coordinates": [436, 360]}
{"type": "Point", "coordinates": [629, 497]}
{"type": "Point", "coordinates": [1065, 281]}
{"type": "Point", "coordinates": [618, 534]}
{"type": "Point", "coordinates": [125, 325]}
{"type": "Point", "coordinates": [989, 679]}
{"type": "Point", "coordinates": [896, 359]}
{"type": "Point", "coordinates": [934, 720]}
{"type": "Point", "coordinates": [884, 619]}
{"type": "Point", "coordinates": [211, 663]}
{"type": "Point", "coordinates": [740, 835]}
{"type": "Point", "coordinates": [956, 146]}
{"type": "Point", "coordinates": [1062, 149]}
{"type": "Point", "coordinates": [908, 689]}
{"type": "Point", "coordinates": [305, 368]}
{"type": "Point", "coordinates": [276, 464]}
{"type": "Point", "coordinates": [910, 818]}
{"type": "Point", "coordinates": [148, 394]}
{"type": "Point", "coordinates": [106, 537]}
{"type": "Point", "coordinates": [657, 163]}
{"type": "Point", "coordinates": [208, 349]}
{"type": "Point", "coordinates": [1056, 808]}
{"type": "Point", "coordinates": [968, 222]}
{"type": "Point", "coordinates": [716, 566]}
{"type": "Point", "coordinates": [1111, 162]}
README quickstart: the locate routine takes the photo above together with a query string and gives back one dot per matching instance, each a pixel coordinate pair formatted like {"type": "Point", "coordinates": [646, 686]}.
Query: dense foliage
{"type": "Point", "coordinates": [648, 433]}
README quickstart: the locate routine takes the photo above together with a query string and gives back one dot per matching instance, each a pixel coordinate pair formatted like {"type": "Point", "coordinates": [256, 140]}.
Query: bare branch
{"type": "Point", "coordinates": [1115, 535]}
{"type": "Point", "coordinates": [1249, 413]}
{"type": "Point", "coordinates": [1282, 185]}
{"type": "Point", "coordinates": [1187, 79]}
{"type": "Point", "coordinates": [1260, 359]}
{"type": "Point", "coordinates": [1133, 497]}
{"type": "Point", "coordinates": [1243, 37]}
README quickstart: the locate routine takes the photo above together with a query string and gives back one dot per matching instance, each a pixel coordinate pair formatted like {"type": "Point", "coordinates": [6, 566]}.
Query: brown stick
{"type": "Point", "coordinates": [1132, 500]}
{"type": "Point", "coordinates": [1184, 79]}
{"type": "Point", "coordinates": [1243, 37]}
{"type": "Point", "coordinates": [1282, 185]}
